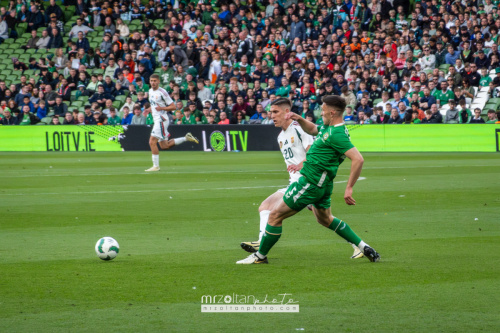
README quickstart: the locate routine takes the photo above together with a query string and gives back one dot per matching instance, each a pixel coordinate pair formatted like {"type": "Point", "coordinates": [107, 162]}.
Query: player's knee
{"type": "Point", "coordinates": [166, 145]}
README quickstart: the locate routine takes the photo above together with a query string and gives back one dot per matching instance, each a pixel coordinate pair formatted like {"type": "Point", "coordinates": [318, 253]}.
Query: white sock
{"type": "Point", "coordinates": [260, 255]}
{"type": "Point", "coordinates": [264, 216]}
{"type": "Point", "coordinates": [178, 141]}
{"type": "Point", "coordinates": [362, 245]}
{"type": "Point", "coordinates": [156, 160]}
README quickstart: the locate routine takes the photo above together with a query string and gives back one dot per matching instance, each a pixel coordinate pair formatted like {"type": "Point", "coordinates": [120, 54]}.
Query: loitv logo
{"type": "Point", "coordinates": [69, 141]}
{"type": "Point", "coordinates": [225, 140]}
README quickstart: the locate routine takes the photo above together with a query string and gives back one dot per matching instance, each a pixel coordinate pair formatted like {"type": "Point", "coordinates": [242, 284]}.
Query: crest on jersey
{"type": "Point", "coordinates": [292, 139]}
{"type": "Point", "coordinates": [281, 144]}
{"type": "Point", "coordinates": [325, 136]}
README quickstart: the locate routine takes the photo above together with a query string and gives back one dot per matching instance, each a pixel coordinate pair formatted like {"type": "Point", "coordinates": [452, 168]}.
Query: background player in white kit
{"type": "Point", "coordinates": [160, 103]}
{"type": "Point", "coordinates": [294, 144]}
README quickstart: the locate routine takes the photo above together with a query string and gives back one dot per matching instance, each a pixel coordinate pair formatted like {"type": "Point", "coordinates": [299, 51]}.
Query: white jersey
{"type": "Point", "coordinates": [293, 144]}
{"type": "Point", "coordinates": [159, 97]}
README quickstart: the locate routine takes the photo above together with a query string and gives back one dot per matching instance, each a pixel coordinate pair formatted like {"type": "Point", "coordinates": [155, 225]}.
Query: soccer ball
{"type": "Point", "coordinates": [107, 248]}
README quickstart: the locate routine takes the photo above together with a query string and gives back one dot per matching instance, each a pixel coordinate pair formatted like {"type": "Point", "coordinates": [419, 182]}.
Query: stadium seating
{"type": "Point", "coordinates": [13, 47]}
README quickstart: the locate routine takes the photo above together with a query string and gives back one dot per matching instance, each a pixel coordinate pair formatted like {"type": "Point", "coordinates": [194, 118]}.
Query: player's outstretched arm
{"type": "Point", "coordinates": [308, 127]}
{"type": "Point", "coordinates": [170, 107]}
{"type": "Point", "coordinates": [356, 165]}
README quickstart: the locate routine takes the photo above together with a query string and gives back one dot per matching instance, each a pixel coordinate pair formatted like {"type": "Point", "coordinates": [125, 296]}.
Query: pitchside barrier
{"type": "Point", "coordinates": [218, 138]}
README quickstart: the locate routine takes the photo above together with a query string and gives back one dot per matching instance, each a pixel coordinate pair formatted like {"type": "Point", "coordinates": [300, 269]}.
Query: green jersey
{"type": "Point", "coordinates": [444, 97]}
{"type": "Point", "coordinates": [26, 120]}
{"type": "Point", "coordinates": [116, 120]}
{"type": "Point", "coordinates": [326, 154]}
{"type": "Point", "coordinates": [144, 88]}
{"type": "Point", "coordinates": [283, 91]}
{"type": "Point", "coordinates": [189, 121]}
{"type": "Point", "coordinates": [485, 81]}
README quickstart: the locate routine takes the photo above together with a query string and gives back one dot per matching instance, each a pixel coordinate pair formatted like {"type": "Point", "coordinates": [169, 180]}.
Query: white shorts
{"type": "Point", "coordinates": [282, 190]}
{"type": "Point", "coordinates": [160, 130]}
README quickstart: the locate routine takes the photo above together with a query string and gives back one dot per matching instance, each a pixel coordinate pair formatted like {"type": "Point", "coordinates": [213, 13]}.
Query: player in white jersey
{"type": "Point", "coordinates": [159, 104]}
{"type": "Point", "coordinates": [294, 144]}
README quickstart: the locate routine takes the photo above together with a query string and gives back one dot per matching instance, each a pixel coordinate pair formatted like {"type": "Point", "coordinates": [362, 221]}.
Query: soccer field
{"type": "Point", "coordinates": [432, 217]}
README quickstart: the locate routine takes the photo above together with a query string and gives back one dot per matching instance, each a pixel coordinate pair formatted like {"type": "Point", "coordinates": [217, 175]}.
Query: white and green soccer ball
{"type": "Point", "coordinates": [107, 248]}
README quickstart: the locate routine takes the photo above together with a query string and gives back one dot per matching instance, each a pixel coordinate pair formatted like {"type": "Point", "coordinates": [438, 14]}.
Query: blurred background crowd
{"type": "Point", "coordinates": [224, 62]}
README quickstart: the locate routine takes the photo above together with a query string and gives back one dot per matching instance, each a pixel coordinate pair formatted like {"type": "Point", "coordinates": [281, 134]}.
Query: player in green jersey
{"type": "Point", "coordinates": [323, 159]}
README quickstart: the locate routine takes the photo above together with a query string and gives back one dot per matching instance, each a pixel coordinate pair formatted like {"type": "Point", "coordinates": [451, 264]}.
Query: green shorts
{"type": "Point", "coordinates": [301, 193]}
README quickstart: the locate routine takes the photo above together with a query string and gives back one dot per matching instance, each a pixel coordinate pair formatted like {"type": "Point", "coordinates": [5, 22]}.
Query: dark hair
{"type": "Point", "coordinates": [282, 102]}
{"type": "Point", "coordinates": [336, 102]}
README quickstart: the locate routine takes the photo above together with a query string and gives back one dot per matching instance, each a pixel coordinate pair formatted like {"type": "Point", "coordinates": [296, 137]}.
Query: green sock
{"type": "Point", "coordinates": [271, 236]}
{"type": "Point", "coordinates": [343, 230]}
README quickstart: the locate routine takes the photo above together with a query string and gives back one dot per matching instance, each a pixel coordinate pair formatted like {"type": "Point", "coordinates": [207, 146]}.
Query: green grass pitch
{"type": "Point", "coordinates": [432, 217]}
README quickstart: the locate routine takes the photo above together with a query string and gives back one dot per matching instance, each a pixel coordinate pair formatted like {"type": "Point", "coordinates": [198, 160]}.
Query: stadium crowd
{"type": "Point", "coordinates": [224, 62]}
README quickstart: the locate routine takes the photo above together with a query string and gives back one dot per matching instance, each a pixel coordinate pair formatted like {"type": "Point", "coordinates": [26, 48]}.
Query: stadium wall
{"type": "Point", "coordinates": [368, 138]}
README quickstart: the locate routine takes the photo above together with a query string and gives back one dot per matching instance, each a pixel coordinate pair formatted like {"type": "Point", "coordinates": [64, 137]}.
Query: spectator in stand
{"type": "Point", "coordinates": [477, 119]}
{"type": "Point", "coordinates": [60, 109]}
{"type": "Point", "coordinates": [4, 30]}
{"type": "Point", "coordinates": [395, 117]}
{"type": "Point", "coordinates": [113, 118]}
{"type": "Point", "coordinates": [492, 117]}
{"type": "Point", "coordinates": [89, 116]}
{"type": "Point", "coordinates": [69, 120]}
{"type": "Point", "coordinates": [18, 66]}
{"type": "Point", "coordinates": [138, 118]}
{"type": "Point", "coordinates": [223, 119]}
{"type": "Point", "coordinates": [363, 119]}
{"type": "Point", "coordinates": [240, 105]}
{"type": "Point", "coordinates": [55, 120]}
{"type": "Point", "coordinates": [81, 119]}
{"type": "Point", "coordinates": [41, 110]}
{"type": "Point", "coordinates": [79, 27]}
{"type": "Point", "coordinates": [436, 115]}
{"type": "Point", "coordinates": [452, 114]}
{"type": "Point", "coordinates": [320, 49]}
{"type": "Point", "coordinates": [26, 117]}
{"type": "Point", "coordinates": [7, 118]}
{"type": "Point", "coordinates": [428, 118]}
{"type": "Point", "coordinates": [100, 96]}
{"type": "Point", "coordinates": [34, 18]}
{"type": "Point", "coordinates": [127, 116]}
{"type": "Point", "coordinates": [31, 44]}
{"type": "Point", "coordinates": [43, 42]}
{"type": "Point", "coordinates": [55, 40]}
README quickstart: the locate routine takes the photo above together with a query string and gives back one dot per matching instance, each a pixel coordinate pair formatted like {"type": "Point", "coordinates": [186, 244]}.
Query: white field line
{"type": "Point", "coordinates": [6, 175]}
{"type": "Point", "coordinates": [162, 190]}
{"type": "Point", "coordinates": [138, 173]}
